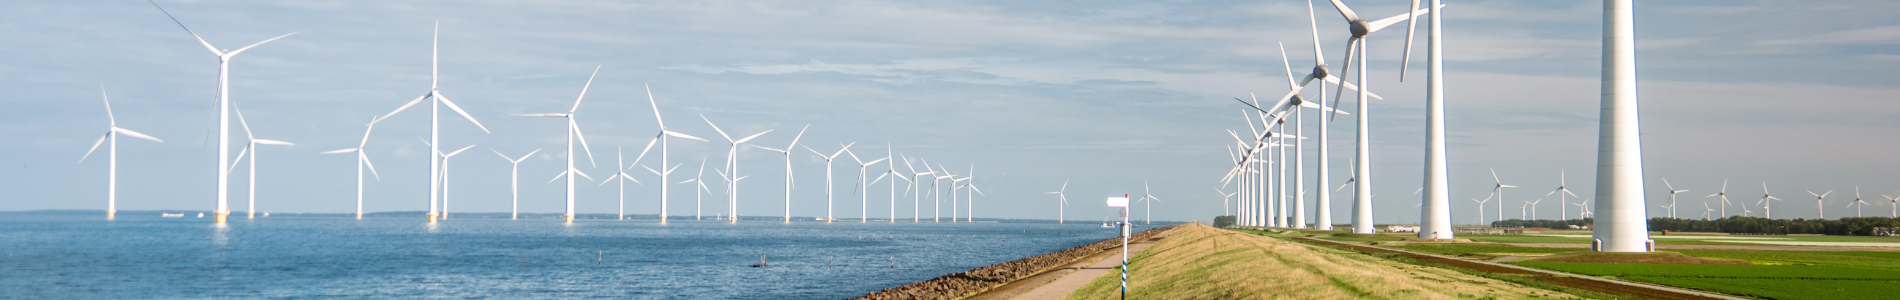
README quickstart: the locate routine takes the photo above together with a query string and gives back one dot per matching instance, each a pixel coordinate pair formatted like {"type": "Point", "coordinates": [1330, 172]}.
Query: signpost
{"type": "Point", "coordinates": [1122, 202]}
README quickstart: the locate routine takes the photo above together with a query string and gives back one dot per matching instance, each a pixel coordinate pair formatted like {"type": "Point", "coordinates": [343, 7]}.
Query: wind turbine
{"type": "Point", "coordinates": [1481, 208]}
{"type": "Point", "coordinates": [732, 168]}
{"type": "Point", "coordinates": [224, 112]}
{"type": "Point", "coordinates": [1148, 198]}
{"type": "Point", "coordinates": [1857, 201]}
{"type": "Point", "coordinates": [1723, 194]}
{"type": "Point", "coordinates": [661, 137]}
{"type": "Point", "coordinates": [1523, 211]}
{"type": "Point", "coordinates": [937, 213]}
{"type": "Point", "coordinates": [1436, 174]}
{"type": "Point", "coordinates": [916, 200]}
{"type": "Point", "coordinates": [1668, 211]}
{"type": "Point", "coordinates": [1672, 197]}
{"type": "Point", "coordinates": [253, 141]}
{"type": "Point", "coordinates": [828, 158]}
{"type": "Point", "coordinates": [1561, 192]}
{"type": "Point", "coordinates": [698, 181]}
{"type": "Point", "coordinates": [953, 190]}
{"type": "Point", "coordinates": [1062, 201]}
{"type": "Point", "coordinates": [573, 133]}
{"type": "Point", "coordinates": [514, 181]}
{"type": "Point", "coordinates": [969, 201]}
{"type": "Point", "coordinates": [1767, 209]}
{"type": "Point", "coordinates": [112, 154]}
{"type": "Point", "coordinates": [1533, 205]}
{"type": "Point", "coordinates": [1360, 27]}
{"type": "Point", "coordinates": [436, 101]}
{"type": "Point", "coordinates": [1323, 216]}
{"type": "Point", "coordinates": [891, 170]}
{"type": "Point", "coordinates": [1583, 209]}
{"type": "Point", "coordinates": [1819, 206]}
{"type": "Point", "coordinates": [1498, 190]}
{"type": "Point", "coordinates": [1706, 210]}
{"type": "Point", "coordinates": [1893, 202]}
{"type": "Point", "coordinates": [445, 178]}
{"type": "Point", "coordinates": [362, 160]}
{"type": "Point", "coordinates": [620, 173]}
{"type": "Point", "coordinates": [864, 197]}
{"type": "Point", "coordinates": [788, 169]}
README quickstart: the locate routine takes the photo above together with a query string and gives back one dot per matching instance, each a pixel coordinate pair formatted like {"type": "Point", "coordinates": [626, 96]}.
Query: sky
{"type": "Point", "coordinates": [1106, 95]}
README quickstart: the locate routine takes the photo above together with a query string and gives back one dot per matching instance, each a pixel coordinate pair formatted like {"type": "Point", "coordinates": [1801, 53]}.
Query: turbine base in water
{"type": "Point", "coordinates": [359, 216]}
{"type": "Point", "coordinates": [570, 218]}
{"type": "Point", "coordinates": [111, 213]}
{"type": "Point", "coordinates": [221, 216]}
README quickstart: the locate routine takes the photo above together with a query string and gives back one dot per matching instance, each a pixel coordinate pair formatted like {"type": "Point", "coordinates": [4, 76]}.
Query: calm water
{"type": "Point", "coordinates": [64, 255]}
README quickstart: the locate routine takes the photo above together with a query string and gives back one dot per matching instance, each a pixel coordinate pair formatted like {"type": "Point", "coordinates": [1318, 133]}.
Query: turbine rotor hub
{"type": "Point", "coordinates": [1360, 28]}
{"type": "Point", "coordinates": [1320, 71]}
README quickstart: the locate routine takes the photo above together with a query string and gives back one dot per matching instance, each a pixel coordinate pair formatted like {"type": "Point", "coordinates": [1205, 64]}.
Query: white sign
{"type": "Point", "coordinates": [1117, 201]}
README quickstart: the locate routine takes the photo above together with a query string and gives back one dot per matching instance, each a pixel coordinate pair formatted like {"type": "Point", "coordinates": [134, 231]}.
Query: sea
{"type": "Point", "coordinates": [64, 255]}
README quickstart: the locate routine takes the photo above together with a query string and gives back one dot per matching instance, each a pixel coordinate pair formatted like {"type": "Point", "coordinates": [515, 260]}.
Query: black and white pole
{"type": "Point", "coordinates": [1122, 203]}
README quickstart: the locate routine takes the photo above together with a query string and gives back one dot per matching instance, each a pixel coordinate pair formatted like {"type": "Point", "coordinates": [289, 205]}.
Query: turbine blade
{"type": "Point", "coordinates": [546, 115]}
{"type": "Point", "coordinates": [273, 142]}
{"type": "Point", "coordinates": [400, 109]}
{"type": "Point", "coordinates": [95, 147]}
{"type": "Point", "coordinates": [1345, 11]}
{"type": "Point", "coordinates": [458, 151]}
{"type": "Point", "coordinates": [557, 177]}
{"type": "Point", "coordinates": [681, 135]}
{"type": "Point", "coordinates": [1319, 56]}
{"type": "Point", "coordinates": [748, 138]}
{"type": "Point", "coordinates": [583, 139]}
{"type": "Point", "coordinates": [338, 151]}
{"type": "Point", "coordinates": [1289, 67]}
{"type": "Point", "coordinates": [722, 133]}
{"type": "Point", "coordinates": [241, 50]}
{"type": "Point", "coordinates": [656, 108]}
{"type": "Point", "coordinates": [643, 153]}
{"type": "Point", "coordinates": [372, 167]}
{"type": "Point", "coordinates": [590, 83]}
{"type": "Point", "coordinates": [768, 148]}
{"type": "Point", "coordinates": [136, 134]}
{"type": "Point", "coordinates": [458, 110]}
{"type": "Point", "coordinates": [1374, 26]}
{"type": "Point", "coordinates": [1411, 25]}
{"type": "Point", "coordinates": [214, 50]}
{"type": "Point", "coordinates": [1350, 86]}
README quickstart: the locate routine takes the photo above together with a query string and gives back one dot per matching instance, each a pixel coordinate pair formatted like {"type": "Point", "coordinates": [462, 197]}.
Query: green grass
{"type": "Point", "coordinates": [1768, 281]}
{"type": "Point", "coordinates": [1889, 260]}
{"type": "Point", "coordinates": [1461, 249]}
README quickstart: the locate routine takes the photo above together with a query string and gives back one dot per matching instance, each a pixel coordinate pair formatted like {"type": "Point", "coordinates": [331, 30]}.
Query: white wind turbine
{"type": "Point", "coordinates": [445, 178]}
{"type": "Point", "coordinates": [1767, 209]}
{"type": "Point", "coordinates": [1062, 201]}
{"type": "Point", "coordinates": [1533, 205]}
{"type": "Point", "coordinates": [864, 197]}
{"type": "Point", "coordinates": [937, 213]}
{"type": "Point", "coordinates": [1583, 209]}
{"type": "Point", "coordinates": [1672, 197]}
{"type": "Point", "coordinates": [661, 138]}
{"type": "Point", "coordinates": [732, 168]}
{"type": "Point", "coordinates": [1497, 190]}
{"type": "Point", "coordinates": [621, 178]}
{"type": "Point", "coordinates": [362, 160]}
{"type": "Point", "coordinates": [1723, 194]}
{"type": "Point", "coordinates": [224, 115]}
{"type": "Point", "coordinates": [514, 181]}
{"type": "Point", "coordinates": [1360, 27]}
{"type": "Point", "coordinates": [1481, 208]}
{"type": "Point", "coordinates": [436, 101]}
{"type": "Point", "coordinates": [1668, 211]}
{"type": "Point", "coordinates": [573, 133]}
{"type": "Point", "coordinates": [701, 184]}
{"type": "Point", "coordinates": [1150, 199]}
{"type": "Point", "coordinates": [1857, 201]}
{"type": "Point", "coordinates": [1561, 192]}
{"type": "Point", "coordinates": [953, 190]}
{"type": "Point", "coordinates": [788, 169]}
{"type": "Point", "coordinates": [1894, 203]}
{"type": "Point", "coordinates": [828, 158]}
{"type": "Point", "coordinates": [969, 201]}
{"type": "Point", "coordinates": [112, 154]}
{"type": "Point", "coordinates": [1819, 203]}
{"type": "Point", "coordinates": [1523, 211]}
{"type": "Point", "coordinates": [1706, 210]}
{"type": "Point", "coordinates": [916, 184]}
{"type": "Point", "coordinates": [891, 170]}
{"type": "Point", "coordinates": [1323, 200]}
{"type": "Point", "coordinates": [253, 141]}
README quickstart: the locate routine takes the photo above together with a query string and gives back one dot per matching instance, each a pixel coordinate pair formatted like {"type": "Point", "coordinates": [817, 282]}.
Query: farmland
{"type": "Point", "coordinates": [1766, 281]}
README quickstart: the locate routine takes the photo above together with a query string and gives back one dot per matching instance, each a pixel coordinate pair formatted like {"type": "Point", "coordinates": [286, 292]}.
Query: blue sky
{"type": "Point", "coordinates": [1104, 93]}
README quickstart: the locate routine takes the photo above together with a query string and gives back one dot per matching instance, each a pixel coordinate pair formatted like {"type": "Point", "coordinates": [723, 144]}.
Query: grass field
{"type": "Point", "coordinates": [1200, 262]}
{"type": "Point", "coordinates": [1766, 281]}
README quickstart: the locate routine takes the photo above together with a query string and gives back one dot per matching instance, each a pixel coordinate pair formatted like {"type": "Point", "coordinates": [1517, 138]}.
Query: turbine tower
{"type": "Point", "coordinates": [1619, 139]}
{"type": "Point", "coordinates": [112, 154]}
{"type": "Point", "coordinates": [573, 133]}
{"type": "Point", "coordinates": [1360, 27]}
{"type": "Point", "coordinates": [1062, 201]}
{"type": "Point", "coordinates": [252, 141]}
{"type": "Point", "coordinates": [1562, 191]}
{"type": "Point", "coordinates": [362, 160]}
{"type": "Point", "coordinates": [436, 101]}
{"type": "Point", "coordinates": [1820, 205]}
{"type": "Point", "coordinates": [1723, 194]}
{"type": "Point", "coordinates": [621, 178]}
{"type": "Point", "coordinates": [1672, 197]}
{"type": "Point", "coordinates": [1767, 208]}
{"type": "Point", "coordinates": [788, 169]}
{"type": "Point", "coordinates": [864, 197]}
{"type": "Point", "coordinates": [224, 113]}
{"type": "Point", "coordinates": [1436, 216]}
{"type": "Point", "coordinates": [514, 182]}
{"type": "Point", "coordinates": [1148, 198]}
{"type": "Point", "coordinates": [916, 200]}
{"type": "Point", "coordinates": [445, 178]}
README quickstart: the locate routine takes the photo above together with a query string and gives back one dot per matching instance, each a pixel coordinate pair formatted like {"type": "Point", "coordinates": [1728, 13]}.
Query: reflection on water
{"type": "Point", "coordinates": [66, 256]}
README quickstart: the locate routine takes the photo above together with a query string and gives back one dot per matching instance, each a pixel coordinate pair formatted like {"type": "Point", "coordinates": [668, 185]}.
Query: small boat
{"type": "Point", "coordinates": [170, 215]}
{"type": "Point", "coordinates": [201, 215]}
{"type": "Point", "coordinates": [761, 263]}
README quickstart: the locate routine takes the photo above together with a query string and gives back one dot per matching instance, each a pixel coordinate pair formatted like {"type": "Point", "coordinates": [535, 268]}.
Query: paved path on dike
{"type": "Point", "coordinates": [1054, 285]}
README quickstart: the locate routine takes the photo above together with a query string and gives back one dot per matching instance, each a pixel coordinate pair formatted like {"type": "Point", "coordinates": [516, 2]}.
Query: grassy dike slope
{"type": "Point", "coordinates": [1187, 265]}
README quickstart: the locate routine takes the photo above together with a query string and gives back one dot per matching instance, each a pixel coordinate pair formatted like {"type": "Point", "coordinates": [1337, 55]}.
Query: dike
{"type": "Point", "coordinates": [962, 284]}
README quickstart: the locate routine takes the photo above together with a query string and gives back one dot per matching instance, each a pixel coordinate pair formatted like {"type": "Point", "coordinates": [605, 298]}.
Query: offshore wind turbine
{"type": "Point", "coordinates": [1672, 197]}
{"type": "Point", "coordinates": [1062, 201]}
{"type": "Point", "coordinates": [953, 190]}
{"type": "Point", "coordinates": [1561, 192]}
{"type": "Point", "coordinates": [701, 184]}
{"type": "Point", "coordinates": [1360, 27]}
{"type": "Point", "coordinates": [514, 181]}
{"type": "Point", "coordinates": [573, 133]}
{"type": "Point", "coordinates": [252, 142]}
{"type": "Point", "coordinates": [1723, 194]}
{"type": "Point", "coordinates": [362, 160]}
{"type": "Point", "coordinates": [436, 101]}
{"type": "Point", "coordinates": [732, 168]}
{"type": "Point", "coordinates": [224, 112]}
{"type": "Point", "coordinates": [969, 201]}
{"type": "Point", "coordinates": [620, 173]}
{"type": "Point", "coordinates": [828, 158]}
{"type": "Point", "coordinates": [788, 169]}
{"type": "Point", "coordinates": [916, 200]}
{"type": "Point", "coordinates": [112, 154]}
{"type": "Point", "coordinates": [661, 137]}
{"type": "Point", "coordinates": [1820, 206]}
{"type": "Point", "coordinates": [937, 213]}
{"type": "Point", "coordinates": [864, 197]}
{"type": "Point", "coordinates": [445, 178]}
{"type": "Point", "coordinates": [891, 170]}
